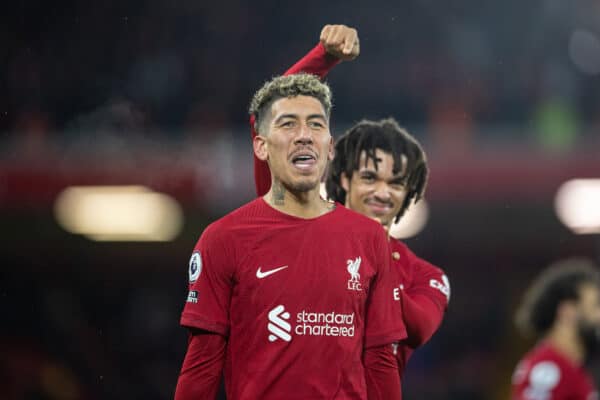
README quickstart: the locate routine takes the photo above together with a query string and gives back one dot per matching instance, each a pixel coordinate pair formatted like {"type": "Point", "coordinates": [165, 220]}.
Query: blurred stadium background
{"type": "Point", "coordinates": [153, 95]}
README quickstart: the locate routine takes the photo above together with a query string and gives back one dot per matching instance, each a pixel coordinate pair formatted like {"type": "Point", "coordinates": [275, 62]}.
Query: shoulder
{"type": "Point", "coordinates": [423, 266]}
{"type": "Point", "coordinates": [223, 227]}
{"type": "Point", "coordinates": [541, 372]}
{"type": "Point", "coordinates": [420, 275]}
{"type": "Point", "coordinates": [348, 216]}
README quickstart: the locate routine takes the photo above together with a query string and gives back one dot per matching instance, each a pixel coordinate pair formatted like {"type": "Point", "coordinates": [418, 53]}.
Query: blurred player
{"type": "Point", "coordinates": [379, 170]}
{"type": "Point", "coordinates": [291, 293]}
{"type": "Point", "coordinates": [562, 309]}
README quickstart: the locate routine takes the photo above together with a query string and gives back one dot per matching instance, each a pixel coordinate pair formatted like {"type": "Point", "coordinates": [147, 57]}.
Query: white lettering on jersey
{"type": "Point", "coordinates": [353, 266]}
{"type": "Point", "coordinates": [324, 324]}
{"type": "Point", "coordinates": [543, 377]}
{"type": "Point", "coordinates": [195, 266]}
{"type": "Point", "coordinates": [330, 324]}
{"type": "Point", "coordinates": [278, 326]}
{"type": "Point", "coordinates": [443, 286]}
{"type": "Point", "coordinates": [192, 296]}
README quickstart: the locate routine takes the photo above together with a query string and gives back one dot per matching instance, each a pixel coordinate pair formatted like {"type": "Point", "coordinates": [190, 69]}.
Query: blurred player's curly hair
{"type": "Point", "coordinates": [288, 86]}
{"type": "Point", "coordinates": [386, 135]}
{"type": "Point", "coordinates": [560, 282]}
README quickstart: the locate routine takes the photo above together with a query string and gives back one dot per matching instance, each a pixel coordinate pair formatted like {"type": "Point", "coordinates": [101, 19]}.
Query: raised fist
{"type": "Point", "coordinates": [340, 41]}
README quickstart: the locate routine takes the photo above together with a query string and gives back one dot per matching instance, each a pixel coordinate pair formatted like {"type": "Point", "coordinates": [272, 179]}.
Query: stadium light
{"type": "Point", "coordinates": [118, 213]}
{"type": "Point", "coordinates": [577, 205]}
{"type": "Point", "coordinates": [412, 222]}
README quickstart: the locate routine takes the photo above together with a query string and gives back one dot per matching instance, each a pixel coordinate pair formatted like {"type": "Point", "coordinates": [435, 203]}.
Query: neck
{"type": "Point", "coordinates": [305, 204]}
{"type": "Point", "coordinates": [567, 342]}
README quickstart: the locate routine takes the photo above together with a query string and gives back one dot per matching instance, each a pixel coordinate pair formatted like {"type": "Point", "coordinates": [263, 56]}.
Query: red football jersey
{"type": "Point", "coordinates": [418, 277]}
{"type": "Point", "coordinates": [298, 299]}
{"type": "Point", "coordinates": [546, 374]}
{"type": "Point", "coordinates": [425, 286]}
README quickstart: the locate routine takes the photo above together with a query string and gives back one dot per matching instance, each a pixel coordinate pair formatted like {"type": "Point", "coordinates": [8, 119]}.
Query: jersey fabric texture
{"type": "Point", "coordinates": [298, 300]}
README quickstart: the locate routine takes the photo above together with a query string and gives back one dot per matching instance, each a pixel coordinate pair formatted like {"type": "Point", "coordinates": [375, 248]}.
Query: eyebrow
{"type": "Point", "coordinates": [365, 170]}
{"type": "Point", "coordinates": [295, 116]}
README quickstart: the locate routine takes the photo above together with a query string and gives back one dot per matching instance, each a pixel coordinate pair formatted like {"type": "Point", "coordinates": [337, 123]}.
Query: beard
{"type": "Point", "coordinates": [590, 337]}
{"type": "Point", "coordinates": [300, 187]}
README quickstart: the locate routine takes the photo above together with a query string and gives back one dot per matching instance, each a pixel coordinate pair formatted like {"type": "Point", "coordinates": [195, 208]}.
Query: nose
{"type": "Point", "coordinates": [382, 192]}
{"type": "Point", "coordinates": [304, 135]}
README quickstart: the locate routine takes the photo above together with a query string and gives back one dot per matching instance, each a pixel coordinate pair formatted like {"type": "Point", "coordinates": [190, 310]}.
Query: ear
{"type": "Point", "coordinates": [331, 149]}
{"type": "Point", "coordinates": [345, 182]}
{"type": "Point", "coordinates": [259, 143]}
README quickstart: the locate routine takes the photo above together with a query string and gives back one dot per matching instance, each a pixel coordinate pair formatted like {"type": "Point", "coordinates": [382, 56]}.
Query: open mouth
{"type": "Point", "coordinates": [304, 161]}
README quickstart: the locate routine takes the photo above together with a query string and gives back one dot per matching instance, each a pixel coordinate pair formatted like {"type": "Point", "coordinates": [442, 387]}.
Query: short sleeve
{"type": "Point", "coordinates": [384, 322]}
{"type": "Point", "coordinates": [210, 276]}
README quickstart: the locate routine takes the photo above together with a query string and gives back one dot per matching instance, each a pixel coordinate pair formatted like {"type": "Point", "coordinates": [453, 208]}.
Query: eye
{"type": "Point", "coordinates": [398, 185]}
{"type": "Point", "coordinates": [316, 125]}
{"type": "Point", "coordinates": [287, 124]}
{"type": "Point", "coordinates": [367, 178]}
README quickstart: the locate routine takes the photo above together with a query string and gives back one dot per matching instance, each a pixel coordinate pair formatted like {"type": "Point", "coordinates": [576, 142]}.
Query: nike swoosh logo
{"type": "Point", "coordinates": [260, 274]}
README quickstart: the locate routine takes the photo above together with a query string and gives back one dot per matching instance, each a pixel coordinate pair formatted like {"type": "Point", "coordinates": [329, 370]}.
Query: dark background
{"type": "Point", "coordinates": [504, 97]}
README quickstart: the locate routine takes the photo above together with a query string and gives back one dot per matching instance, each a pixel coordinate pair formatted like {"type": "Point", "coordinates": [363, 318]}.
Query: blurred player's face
{"type": "Point", "coordinates": [376, 193]}
{"type": "Point", "coordinates": [588, 324]}
{"type": "Point", "coordinates": [298, 144]}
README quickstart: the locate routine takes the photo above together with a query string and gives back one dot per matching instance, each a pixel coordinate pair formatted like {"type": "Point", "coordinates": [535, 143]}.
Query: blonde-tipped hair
{"type": "Point", "coordinates": [288, 86]}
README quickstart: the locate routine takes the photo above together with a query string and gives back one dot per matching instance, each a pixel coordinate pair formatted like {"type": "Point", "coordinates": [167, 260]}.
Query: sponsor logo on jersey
{"type": "Point", "coordinates": [278, 325]}
{"type": "Point", "coordinates": [192, 296]}
{"type": "Point", "coordinates": [353, 267]}
{"type": "Point", "coordinates": [443, 286]}
{"type": "Point", "coordinates": [396, 292]}
{"type": "Point", "coordinates": [195, 266]}
{"type": "Point", "coordinates": [309, 324]}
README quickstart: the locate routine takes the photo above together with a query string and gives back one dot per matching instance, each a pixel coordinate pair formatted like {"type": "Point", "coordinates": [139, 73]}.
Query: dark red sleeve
{"type": "Point", "coordinates": [422, 318]}
{"type": "Point", "coordinates": [424, 301]}
{"type": "Point", "coordinates": [381, 373]}
{"type": "Point", "coordinates": [202, 367]}
{"type": "Point", "coordinates": [317, 62]}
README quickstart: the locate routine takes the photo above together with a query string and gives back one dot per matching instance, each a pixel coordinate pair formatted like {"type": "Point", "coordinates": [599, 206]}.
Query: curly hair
{"type": "Point", "coordinates": [288, 86]}
{"type": "Point", "coordinates": [386, 135]}
{"type": "Point", "coordinates": [561, 281]}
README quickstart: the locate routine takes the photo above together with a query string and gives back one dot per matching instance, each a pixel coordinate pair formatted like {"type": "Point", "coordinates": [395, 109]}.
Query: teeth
{"type": "Point", "coordinates": [303, 158]}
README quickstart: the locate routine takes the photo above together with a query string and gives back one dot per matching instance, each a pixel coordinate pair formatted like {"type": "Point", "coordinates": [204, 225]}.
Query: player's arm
{"type": "Point", "coordinates": [383, 328]}
{"type": "Point", "coordinates": [202, 367]}
{"type": "Point", "coordinates": [424, 303]}
{"type": "Point", "coordinates": [206, 315]}
{"type": "Point", "coordinates": [381, 373]}
{"type": "Point", "coordinates": [337, 43]}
